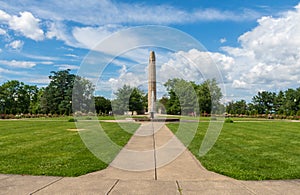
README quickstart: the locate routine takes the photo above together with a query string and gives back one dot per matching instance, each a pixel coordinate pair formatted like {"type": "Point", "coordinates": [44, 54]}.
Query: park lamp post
{"type": "Point", "coordinates": [70, 108]}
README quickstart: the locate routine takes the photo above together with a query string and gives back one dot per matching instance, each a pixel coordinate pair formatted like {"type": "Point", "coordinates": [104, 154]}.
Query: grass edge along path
{"type": "Point", "coordinates": [48, 148]}
{"type": "Point", "coordinates": [252, 151]}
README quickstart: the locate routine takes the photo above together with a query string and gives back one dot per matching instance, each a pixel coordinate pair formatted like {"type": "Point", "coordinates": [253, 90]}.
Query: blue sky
{"type": "Point", "coordinates": [255, 44]}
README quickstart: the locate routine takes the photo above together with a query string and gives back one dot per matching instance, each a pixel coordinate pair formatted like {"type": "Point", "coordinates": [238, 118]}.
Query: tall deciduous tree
{"type": "Point", "coordinates": [128, 99]}
{"type": "Point", "coordinates": [57, 96]}
{"type": "Point", "coordinates": [279, 103]}
{"type": "Point", "coordinates": [16, 97]}
{"type": "Point", "coordinates": [182, 96]}
{"type": "Point", "coordinates": [292, 101]}
{"type": "Point", "coordinates": [82, 95]}
{"type": "Point", "coordinates": [238, 107]}
{"type": "Point", "coordinates": [209, 96]}
{"type": "Point", "coordinates": [264, 102]}
{"type": "Point", "coordinates": [102, 105]}
{"type": "Point", "coordinates": [186, 96]}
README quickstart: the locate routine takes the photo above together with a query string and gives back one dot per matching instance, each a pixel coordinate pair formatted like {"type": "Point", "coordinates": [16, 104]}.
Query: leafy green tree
{"type": "Point", "coordinates": [204, 98]}
{"type": "Point", "coordinates": [186, 97]}
{"type": "Point", "coordinates": [230, 108]}
{"type": "Point", "coordinates": [128, 99]}
{"type": "Point", "coordinates": [163, 104]}
{"type": "Point", "coordinates": [182, 96]}
{"type": "Point", "coordinates": [35, 104]}
{"type": "Point", "coordinates": [241, 107]}
{"type": "Point", "coordinates": [136, 101]}
{"type": "Point", "coordinates": [16, 97]}
{"type": "Point", "coordinates": [292, 101]}
{"type": "Point", "coordinates": [209, 96]}
{"type": "Point", "coordinates": [173, 105]}
{"type": "Point", "coordinates": [64, 90]}
{"type": "Point", "coordinates": [297, 101]}
{"type": "Point", "coordinates": [82, 95]}
{"type": "Point", "coordinates": [57, 97]}
{"type": "Point", "coordinates": [238, 107]}
{"type": "Point", "coordinates": [102, 105]}
{"type": "Point", "coordinates": [264, 102]}
{"type": "Point", "coordinates": [145, 102]}
{"type": "Point", "coordinates": [279, 103]}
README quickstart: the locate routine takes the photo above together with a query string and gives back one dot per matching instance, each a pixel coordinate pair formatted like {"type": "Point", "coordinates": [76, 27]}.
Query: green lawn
{"type": "Point", "coordinates": [48, 148]}
{"type": "Point", "coordinates": [252, 150]}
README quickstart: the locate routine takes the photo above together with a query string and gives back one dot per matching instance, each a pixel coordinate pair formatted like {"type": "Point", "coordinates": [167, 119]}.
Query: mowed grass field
{"type": "Point", "coordinates": [38, 147]}
{"type": "Point", "coordinates": [258, 150]}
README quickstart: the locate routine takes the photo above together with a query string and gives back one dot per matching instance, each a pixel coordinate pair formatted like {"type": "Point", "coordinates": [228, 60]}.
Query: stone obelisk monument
{"type": "Point", "coordinates": [152, 85]}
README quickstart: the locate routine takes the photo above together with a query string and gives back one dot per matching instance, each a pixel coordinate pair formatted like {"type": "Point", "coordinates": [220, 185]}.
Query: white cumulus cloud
{"type": "Point", "coordinates": [2, 31]}
{"type": "Point", "coordinates": [25, 23]}
{"type": "Point", "coordinates": [89, 37]}
{"type": "Point", "coordinates": [4, 17]}
{"type": "Point", "coordinates": [95, 12]}
{"type": "Point", "coordinates": [239, 84]}
{"type": "Point", "coordinates": [28, 25]}
{"type": "Point", "coordinates": [18, 64]}
{"type": "Point", "coordinates": [269, 55]}
{"type": "Point", "coordinates": [15, 45]}
{"type": "Point", "coordinates": [223, 40]}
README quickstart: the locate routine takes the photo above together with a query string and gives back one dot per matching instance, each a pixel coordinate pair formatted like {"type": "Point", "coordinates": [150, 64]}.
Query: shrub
{"type": "Point", "coordinates": [228, 120]}
{"type": "Point", "coordinates": [72, 120]}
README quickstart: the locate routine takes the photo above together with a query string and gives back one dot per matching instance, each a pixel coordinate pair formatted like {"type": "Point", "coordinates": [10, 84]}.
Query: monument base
{"type": "Point", "coordinates": [147, 119]}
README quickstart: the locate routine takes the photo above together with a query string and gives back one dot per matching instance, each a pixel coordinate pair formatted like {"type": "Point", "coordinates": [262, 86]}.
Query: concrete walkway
{"type": "Point", "coordinates": [149, 164]}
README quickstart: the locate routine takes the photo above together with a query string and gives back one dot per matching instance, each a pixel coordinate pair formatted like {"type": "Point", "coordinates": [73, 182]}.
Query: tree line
{"type": "Point", "coordinates": [283, 103]}
{"type": "Point", "coordinates": [55, 99]}
{"type": "Point", "coordinates": [182, 97]}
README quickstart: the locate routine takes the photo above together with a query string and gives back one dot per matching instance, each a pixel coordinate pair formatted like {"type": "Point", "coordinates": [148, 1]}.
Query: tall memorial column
{"type": "Point", "coordinates": [151, 84]}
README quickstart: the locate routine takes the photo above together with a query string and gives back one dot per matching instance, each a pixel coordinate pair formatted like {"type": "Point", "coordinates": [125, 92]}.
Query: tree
{"type": "Point", "coordinates": [209, 96]}
{"type": "Point", "coordinates": [35, 104]}
{"type": "Point", "coordinates": [128, 99]}
{"type": "Point", "coordinates": [182, 96]}
{"type": "Point", "coordinates": [136, 101]}
{"type": "Point", "coordinates": [102, 105]}
{"type": "Point", "coordinates": [57, 96]}
{"type": "Point", "coordinates": [16, 97]}
{"type": "Point", "coordinates": [173, 104]}
{"type": "Point", "coordinates": [241, 107]}
{"type": "Point", "coordinates": [64, 90]}
{"type": "Point", "coordinates": [264, 102]}
{"type": "Point", "coordinates": [163, 104]}
{"type": "Point", "coordinates": [186, 97]}
{"type": "Point", "coordinates": [238, 107]}
{"type": "Point", "coordinates": [82, 95]}
{"type": "Point", "coordinates": [279, 103]}
{"type": "Point", "coordinates": [292, 101]}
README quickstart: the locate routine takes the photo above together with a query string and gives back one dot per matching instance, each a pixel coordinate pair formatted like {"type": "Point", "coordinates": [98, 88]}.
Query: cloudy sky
{"type": "Point", "coordinates": [254, 44]}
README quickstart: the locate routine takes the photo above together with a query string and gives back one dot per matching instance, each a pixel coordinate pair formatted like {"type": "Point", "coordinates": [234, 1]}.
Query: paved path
{"type": "Point", "coordinates": [149, 164]}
